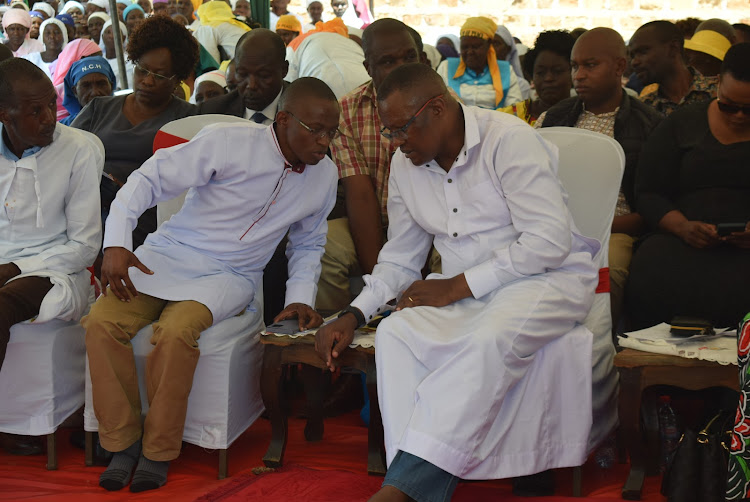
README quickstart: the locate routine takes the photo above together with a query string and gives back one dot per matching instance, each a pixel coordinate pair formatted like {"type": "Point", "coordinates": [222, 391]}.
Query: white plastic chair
{"type": "Point", "coordinates": [590, 169]}
{"type": "Point", "coordinates": [225, 399]}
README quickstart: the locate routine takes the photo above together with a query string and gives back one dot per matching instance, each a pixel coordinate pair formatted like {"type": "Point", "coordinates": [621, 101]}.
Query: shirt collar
{"type": "Point", "coordinates": [8, 154]}
{"type": "Point", "coordinates": [270, 110]}
{"type": "Point", "coordinates": [298, 167]}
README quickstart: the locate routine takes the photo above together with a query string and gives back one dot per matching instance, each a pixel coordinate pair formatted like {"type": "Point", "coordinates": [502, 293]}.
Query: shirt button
{"type": "Point", "coordinates": [455, 234]}
{"type": "Point", "coordinates": [450, 180]}
{"type": "Point", "coordinates": [455, 209]}
{"type": "Point", "coordinates": [428, 165]}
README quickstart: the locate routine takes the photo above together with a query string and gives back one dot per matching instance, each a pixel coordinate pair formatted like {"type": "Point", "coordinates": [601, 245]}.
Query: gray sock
{"type": "Point", "coordinates": [117, 474]}
{"type": "Point", "coordinates": [149, 475]}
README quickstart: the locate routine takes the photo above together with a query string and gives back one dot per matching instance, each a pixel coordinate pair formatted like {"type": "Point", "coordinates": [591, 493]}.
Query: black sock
{"type": "Point", "coordinates": [149, 475]}
{"type": "Point", "coordinates": [117, 474]}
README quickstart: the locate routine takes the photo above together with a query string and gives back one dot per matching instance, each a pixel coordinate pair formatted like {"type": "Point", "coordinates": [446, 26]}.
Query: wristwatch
{"type": "Point", "coordinates": [357, 314]}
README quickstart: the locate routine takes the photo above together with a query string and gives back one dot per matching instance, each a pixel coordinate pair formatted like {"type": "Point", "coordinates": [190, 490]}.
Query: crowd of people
{"type": "Point", "coordinates": [367, 153]}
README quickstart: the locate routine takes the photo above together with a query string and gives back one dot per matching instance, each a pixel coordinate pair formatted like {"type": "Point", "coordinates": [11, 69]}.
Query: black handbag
{"type": "Point", "coordinates": [698, 470]}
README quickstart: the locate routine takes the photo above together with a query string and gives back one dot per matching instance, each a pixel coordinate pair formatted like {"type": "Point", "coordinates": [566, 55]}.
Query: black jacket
{"type": "Point", "coordinates": [229, 104]}
{"type": "Point", "coordinates": [633, 125]}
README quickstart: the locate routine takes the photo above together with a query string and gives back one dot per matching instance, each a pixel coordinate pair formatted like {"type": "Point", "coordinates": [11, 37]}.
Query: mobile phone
{"type": "Point", "coordinates": [724, 229]}
{"type": "Point", "coordinates": [285, 327]}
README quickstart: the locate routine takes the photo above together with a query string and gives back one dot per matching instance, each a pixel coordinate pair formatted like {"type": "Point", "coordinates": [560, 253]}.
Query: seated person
{"type": "Point", "coordinates": [108, 51]}
{"type": "Point", "coordinates": [219, 31]}
{"type": "Point", "coordinates": [88, 78]}
{"type": "Point", "coordinates": [50, 228]}
{"type": "Point", "coordinates": [204, 265]}
{"type": "Point", "coordinates": [210, 85]}
{"type": "Point", "coordinates": [288, 28]}
{"type": "Point", "coordinates": [16, 26]}
{"type": "Point", "coordinates": [95, 25]}
{"type": "Point", "coordinates": [705, 51]}
{"type": "Point", "coordinates": [549, 64]}
{"type": "Point", "coordinates": [54, 34]}
{"type": "Point", "coordinates": [657, 56]}
{"type": "Point", "coordinates": [598, 61]}
{"type": "Point", "coordinates": [482, 186]}
{"type": "Point", "coordinates": [74, 51]}
{"type": "Point", "coordinates": [506, 50]}
{"type": "Point", "coordinates": [692, 178]}
{"type": "Point", "coordinates": [477, 76]}
{"type": "Point", "coordinates": [315, 10]}
{"type": "Point", "coordinates": [133, 15]}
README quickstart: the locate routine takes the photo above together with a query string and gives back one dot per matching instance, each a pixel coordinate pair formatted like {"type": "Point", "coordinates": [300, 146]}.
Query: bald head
{"type": "Point", "coordinates": [604, 40]}
{"type": "Point", "coordinates": [719, 26]}
{"type": "Point", "coordinates": [417, 82]}
{"type": "Point", "coordinates": [260, 67]}
{"type": "Point", "coordinates": [382, 28]}
{"type": "Point", "coordinates": [262, 40]}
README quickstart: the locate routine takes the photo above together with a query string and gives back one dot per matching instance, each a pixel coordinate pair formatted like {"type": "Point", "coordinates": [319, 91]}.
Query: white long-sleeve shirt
{"type": "Point", "coordinates": [242, 200]}
{"type": "Point", "coordinates": [497, 215]}
{"type": "Point", "coordinates": [50, 225]}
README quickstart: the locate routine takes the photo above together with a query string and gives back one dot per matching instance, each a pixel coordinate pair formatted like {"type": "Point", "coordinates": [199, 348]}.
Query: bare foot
{"type": "Point", "coordinates": [390, 494]}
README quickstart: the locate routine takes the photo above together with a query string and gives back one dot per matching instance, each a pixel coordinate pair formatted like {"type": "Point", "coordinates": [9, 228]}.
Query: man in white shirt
{"type": "Point", "coordinates": [50, 228]}
{"type": "Point", "coordinates": [50, 222]}
{"type": "Point", "coordinates": [453, 360]}
{"type": "Point", "coordinates": [248, 186]}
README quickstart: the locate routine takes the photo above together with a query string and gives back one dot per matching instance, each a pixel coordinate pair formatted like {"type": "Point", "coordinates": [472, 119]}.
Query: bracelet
{"type": "Point", "coordinates": [357, 314]}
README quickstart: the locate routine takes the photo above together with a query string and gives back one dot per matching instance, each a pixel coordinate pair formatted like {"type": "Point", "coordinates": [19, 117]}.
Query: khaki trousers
{"type": "Point", "coordinates": [620, 254]}
{"type": "Point", "coordinates": [169, 370]}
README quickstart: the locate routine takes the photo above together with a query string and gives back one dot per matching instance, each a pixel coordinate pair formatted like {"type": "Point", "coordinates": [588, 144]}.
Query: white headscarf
{"type": "Point", "coordinates": [46, 8]}
{"type": "Point", "coordinates": [217, 77]}
{"type": "Point", "coordinates": [512, 56]}
{"type": "Point", "coordinates": [71, 4]}
{"type": "Point", "coordinates": [21, 3]}
{"type": "Point", "coordinates": [57, 23]}
{"type": "Point", "coordinates": [123, 29]}
{"type": "Point", "coordinates": [102, 4]}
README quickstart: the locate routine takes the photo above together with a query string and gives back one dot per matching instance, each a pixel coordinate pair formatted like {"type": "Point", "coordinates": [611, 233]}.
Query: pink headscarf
{"type": "Point", "coordinates": [16, 16]}
{"type": "Point", "coordinates": [72, 52]}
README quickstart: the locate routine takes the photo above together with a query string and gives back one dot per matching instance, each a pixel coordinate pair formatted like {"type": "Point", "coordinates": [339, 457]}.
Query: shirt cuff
{"type": "Point", "coordinates": [487, 277]}
{"type": "Point", "coordinates": [368, 303]}
{"type": "Point", "coordinates": [30, 264]}
{"type": "Point", "coordinates": [116, 236]}
{"type": "Point", "coordinates": [300, 293]}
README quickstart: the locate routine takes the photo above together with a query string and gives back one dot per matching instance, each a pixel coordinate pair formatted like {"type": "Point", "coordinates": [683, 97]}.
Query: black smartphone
{"type": "Point", "coordinates": [285, 327]}
{"type": "Point", "coordinates": [724, 229]}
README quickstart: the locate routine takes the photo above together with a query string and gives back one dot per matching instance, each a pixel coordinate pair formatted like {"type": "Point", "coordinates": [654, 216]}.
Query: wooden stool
{"type": "Point", "coordinates": [281, 350]}
{"type": "Point", "coordinates": [640, 370]}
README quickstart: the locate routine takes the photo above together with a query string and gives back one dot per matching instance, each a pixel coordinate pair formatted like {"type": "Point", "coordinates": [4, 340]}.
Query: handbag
{"type": "Point", "coordinates": [698, 470]}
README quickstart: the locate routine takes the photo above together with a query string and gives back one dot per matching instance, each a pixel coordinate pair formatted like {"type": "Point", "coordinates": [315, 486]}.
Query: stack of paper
{"type": "Point", "coordinates": [721, 347]}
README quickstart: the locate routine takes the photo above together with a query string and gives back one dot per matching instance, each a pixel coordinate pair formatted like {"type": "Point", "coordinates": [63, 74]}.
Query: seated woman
{"type": "Point", "coordinates": [133, 15]}
{"type": "Point", "coordinates": [16, 25]}
{"type": "Point", "coordinates": [164, 53]}
{"type": "Point", "coordinates": [477, 76]}
{"type": "Point", "coordinates": [506, 50]}
{"type": "Point", "coordinates": [87, 79]}
{"type": "Point", "coordinates": [37, 18]}
{"type": "Point", "coordinates": [96, 25]}
{"type": "Point", "coordinates": [692, 181]}
{"type": "Point", "coordinates": [55, 38]}
{"type": "Point", "coordinates": [549, 64]}
{"type": "Point", "coordinates": [74, 51]}
{"type": "Point", "coordinates": [208, 86]}
{"type": "Point", "coordinates": [108, 51]}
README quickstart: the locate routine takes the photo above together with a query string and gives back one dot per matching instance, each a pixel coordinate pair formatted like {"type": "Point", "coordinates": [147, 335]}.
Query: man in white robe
{"type": "Point", "coordinates": [455, 360]}
{"type": "Point", "coordinates": [50, 223]}
{"type": "Point", "coordinates": [248, 186]}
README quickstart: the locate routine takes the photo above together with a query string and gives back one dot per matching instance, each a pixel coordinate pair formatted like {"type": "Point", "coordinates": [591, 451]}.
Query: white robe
{"type": "Point", "coordinates": [240, 204]}
{"type": "Point", "coordinates": [51, 223]}
{"type": "Point", "coordinates": [498, 384]}
{"type": "Point", "coordinates": [47, 68]}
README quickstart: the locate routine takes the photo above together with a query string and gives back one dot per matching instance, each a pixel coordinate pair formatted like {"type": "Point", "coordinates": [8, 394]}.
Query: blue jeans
{"type": "Point", "coordinates": [419, 479]}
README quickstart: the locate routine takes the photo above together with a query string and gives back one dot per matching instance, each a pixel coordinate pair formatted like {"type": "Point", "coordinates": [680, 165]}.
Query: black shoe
{"type": "Point", "coordinates": [346, 395]}
{"type": "Point", "coordinates": [21, 445]}
{"type": "Point", "coordinates": [536, 485]}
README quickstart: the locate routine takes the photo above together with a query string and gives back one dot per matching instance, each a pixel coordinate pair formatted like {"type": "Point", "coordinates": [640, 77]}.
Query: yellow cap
{"type": "Point", "coordinates": [712, 43]}
{"type": "Point", "coordinates": [289, 22]}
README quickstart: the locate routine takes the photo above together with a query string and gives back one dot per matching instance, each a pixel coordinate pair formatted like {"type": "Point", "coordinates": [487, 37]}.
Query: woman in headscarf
{"type": "Point", "coordinates": [549, 64]}
{"type": "Point", "coordinates": [219, 31]}
{"type": "Point", "coordinates": [209, 85]}
{"type": "Point", "coordinates": [477, 76]}
{"type": "Point", "coordinates": [506, 50]}
{"type": "Point", "coordinates": [17, 24]}
{"type": "Point", "coordinates": [107, 45]}
{"type": "Point", "coordinates": [75, 9]}
{"type": "Point", "coordinates": [45, 9]}
{"type": "Point", "coordinates": [133, 16]}
{"type": "Point", "coordinates": [96, 25]}
{"type": "Point", "coordinates": [87, 79]}
{"type": "Point", "coordinates": [74, 51]}
{"type": "Point", "coordinates": [121, 6]}
{"type": "Point", "coordinates": [70, 25]}
{"type": "Point", "coordinates": [55, 38]}
{"type": "Point", "coordinates": [164, 54]}
{"type": "Point", "coordinates": [37, 18]}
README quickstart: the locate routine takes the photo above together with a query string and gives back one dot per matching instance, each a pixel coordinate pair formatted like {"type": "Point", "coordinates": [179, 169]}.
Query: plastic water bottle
{"type": "Point", "coordinates": [668, 432]}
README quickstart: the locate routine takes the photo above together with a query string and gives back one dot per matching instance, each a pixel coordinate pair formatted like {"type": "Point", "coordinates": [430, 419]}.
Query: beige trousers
{"type": "Point", "coordinates": [620, 254]}
{"type": "Point", "coordinates": [110, 326]}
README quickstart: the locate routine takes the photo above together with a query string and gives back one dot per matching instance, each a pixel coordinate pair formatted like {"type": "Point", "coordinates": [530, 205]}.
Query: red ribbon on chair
{"type": "Point", "coordinates": [603, 286]}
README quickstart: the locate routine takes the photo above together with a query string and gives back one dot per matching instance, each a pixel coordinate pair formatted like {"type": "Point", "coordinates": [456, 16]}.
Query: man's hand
{"type": "Point", "coordinates": [308, 318]}
{"type": "Point", "coordinates": [8, 271]}
{"type": "Point", "coordinates": [739, 239]}
{"type": "Point", "coordinates": [435, 292]}
{"type": "Point", "coordinates": [340, 331]}
{"type": "Point", "coordinates": [698, 234]}
{"type": "Point", "coordinates": [115, 267]}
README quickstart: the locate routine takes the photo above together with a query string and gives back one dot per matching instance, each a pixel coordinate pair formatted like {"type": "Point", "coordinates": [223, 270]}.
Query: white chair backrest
{"type": "Point", "coordinates": [178, 132]}
{"type": "Point", "coordinates": [590, 169]}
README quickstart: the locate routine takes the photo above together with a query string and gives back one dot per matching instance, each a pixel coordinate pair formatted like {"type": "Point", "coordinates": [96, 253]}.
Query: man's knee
{"type": "Point", "coordinates": [620, 255]}
{"type": "Point", "coordinates": [105, 320]}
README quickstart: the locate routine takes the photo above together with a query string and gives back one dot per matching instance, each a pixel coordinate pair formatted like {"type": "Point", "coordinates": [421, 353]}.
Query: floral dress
{"type": "Point", "coordinates": [738, 481]}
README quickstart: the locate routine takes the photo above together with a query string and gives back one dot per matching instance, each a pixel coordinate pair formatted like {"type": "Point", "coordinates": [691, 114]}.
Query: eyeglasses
{"type": "Point", "coordinates": [318, 133]}
{"type": "Point", "coordinates": [401, 133]}
{"type": "Point", "coordinates": [732, 109]}
{"type": "Point", "coordinates": [143, 73]}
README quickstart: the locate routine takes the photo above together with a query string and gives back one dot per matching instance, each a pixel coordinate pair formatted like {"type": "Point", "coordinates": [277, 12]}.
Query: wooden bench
{"type": "Point", "coordinates": [640, 370]}
{"type": "Point", "coordinates": [283, 350]}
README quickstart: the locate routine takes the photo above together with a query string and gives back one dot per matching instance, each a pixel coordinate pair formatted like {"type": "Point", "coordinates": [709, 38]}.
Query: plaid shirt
{"type": "Point", "coordinates": [360, 148]}
{"type": "Point", "coordinates": [702, 89]}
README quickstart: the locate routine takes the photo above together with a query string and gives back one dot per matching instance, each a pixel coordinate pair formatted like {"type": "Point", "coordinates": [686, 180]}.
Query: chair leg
{"type": "Point", "coordinates": [223, 463]}
{"type": "Point", "coordinates": [52, 452]}
{"type": "Point", "coordinates": [270, 388]}
{"type": "Point", "coordinates": [577, 478]}
{"type": "Point", "coordinates": [375, 445]}
{"type": "Point", "coordinates": [314, 381]}
{"type": "Point", "coordinates": [89, 448]}
{"type": "Point", "coordinates": [630, 411]}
